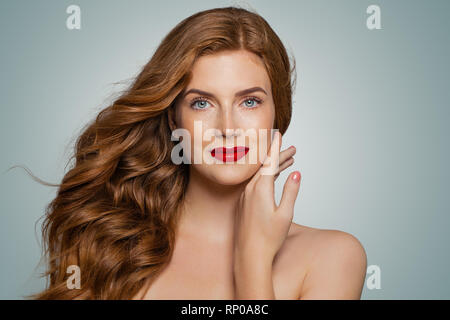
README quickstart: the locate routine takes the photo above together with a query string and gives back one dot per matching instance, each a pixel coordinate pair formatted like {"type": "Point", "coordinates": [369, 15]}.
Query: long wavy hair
{"type": "Point", "coordinates": [115, 213]}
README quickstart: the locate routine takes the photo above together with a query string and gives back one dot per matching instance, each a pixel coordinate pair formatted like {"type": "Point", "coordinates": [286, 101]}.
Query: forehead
{"type": "Point", "coordinates": [229, 71]}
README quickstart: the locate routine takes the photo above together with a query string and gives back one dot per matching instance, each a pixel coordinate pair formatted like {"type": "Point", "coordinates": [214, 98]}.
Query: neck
{"type": "Point", "coordinates": [209, 209]}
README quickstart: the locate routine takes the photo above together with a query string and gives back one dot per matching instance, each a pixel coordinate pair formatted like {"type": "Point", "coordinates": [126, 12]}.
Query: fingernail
{"type": "Point", "coordinates": [296, 176]}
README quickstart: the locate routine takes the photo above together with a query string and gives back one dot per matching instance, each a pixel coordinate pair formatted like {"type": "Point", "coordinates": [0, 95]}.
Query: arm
{"type": "Point", "coordinates": [261, 226]}
{"type": "Point", "coordinates": [253, 279]}
{"type": "Point", "coordinates": [338, 269]}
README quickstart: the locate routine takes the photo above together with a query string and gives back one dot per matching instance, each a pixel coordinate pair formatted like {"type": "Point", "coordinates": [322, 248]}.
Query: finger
{"type": "Point", "coordinates": [256, 176]}
{"type": "Point", "coordinates": [287, 154]}
{"type": "Point", "coordinates": [266, 180]}
{"type": "Point", "coordinates": [286, 164]}
{"type": "Point", "coordinates": [271, 163]}
{"type": "Point", "coordinates": [290, 192]}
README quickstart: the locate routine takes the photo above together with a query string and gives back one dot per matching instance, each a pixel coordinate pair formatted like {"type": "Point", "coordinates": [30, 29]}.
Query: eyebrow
{"type": "Point", "coordinates": [238, 94]}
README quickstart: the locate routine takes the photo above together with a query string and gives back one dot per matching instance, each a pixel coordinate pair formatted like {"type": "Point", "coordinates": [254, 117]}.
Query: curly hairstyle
{"type": "Point", "coordinates": [116, 209]}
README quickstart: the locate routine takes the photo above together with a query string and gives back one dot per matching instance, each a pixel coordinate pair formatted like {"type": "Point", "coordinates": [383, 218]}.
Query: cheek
{"type": "Point", "coordinates": [262, 123]}
{"type": "Point", "coordinates": [256, 119]}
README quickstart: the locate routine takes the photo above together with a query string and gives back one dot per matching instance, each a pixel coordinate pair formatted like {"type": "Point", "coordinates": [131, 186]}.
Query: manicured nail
{"type": "Point", "coordinates": [296, 176]}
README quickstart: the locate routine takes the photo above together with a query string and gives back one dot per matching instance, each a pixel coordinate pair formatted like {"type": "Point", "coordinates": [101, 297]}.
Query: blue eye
{"type": "Point", "coordinates": [201, 103]}
{"type": "Point", "coordinates": [194, 104]}
{"type": "Point", "coordinates": [255, 100]}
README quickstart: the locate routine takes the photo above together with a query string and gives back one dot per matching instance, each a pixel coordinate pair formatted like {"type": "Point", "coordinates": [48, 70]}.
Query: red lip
{"type": "Point", "coordinates": [229, 154]}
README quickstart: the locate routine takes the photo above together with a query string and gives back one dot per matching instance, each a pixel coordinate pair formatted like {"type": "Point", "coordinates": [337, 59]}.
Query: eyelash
{"type": "Point", "coordinates": [195, 100]}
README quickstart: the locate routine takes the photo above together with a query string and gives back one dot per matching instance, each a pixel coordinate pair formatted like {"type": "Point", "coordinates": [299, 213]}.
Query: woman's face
{"type": "Point", "coordinates": [217, 113]}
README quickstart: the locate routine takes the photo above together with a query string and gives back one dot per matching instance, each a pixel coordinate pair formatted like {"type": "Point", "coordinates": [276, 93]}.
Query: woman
{"type": "Point", "coordinates": [140, 225]}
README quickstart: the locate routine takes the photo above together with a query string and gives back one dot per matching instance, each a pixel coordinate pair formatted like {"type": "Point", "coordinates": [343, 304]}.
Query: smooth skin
{"type": "Point", "coordinates": [233, 240]}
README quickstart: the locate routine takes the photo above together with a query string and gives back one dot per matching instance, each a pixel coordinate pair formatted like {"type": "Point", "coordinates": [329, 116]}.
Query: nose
{"type": "Point", "coordinates": [226, 123]}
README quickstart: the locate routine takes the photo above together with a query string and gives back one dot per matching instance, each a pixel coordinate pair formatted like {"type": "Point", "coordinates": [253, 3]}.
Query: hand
{"type": "Point", "coordinates": [260, 225]}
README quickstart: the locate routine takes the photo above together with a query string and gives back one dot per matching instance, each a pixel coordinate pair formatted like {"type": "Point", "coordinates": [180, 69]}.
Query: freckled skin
{"type": "Point", "coordinates": [223, 75]}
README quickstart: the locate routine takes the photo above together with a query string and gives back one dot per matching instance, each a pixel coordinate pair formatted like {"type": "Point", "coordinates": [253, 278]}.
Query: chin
{"type": "Point", "coordinates": [229, 174]}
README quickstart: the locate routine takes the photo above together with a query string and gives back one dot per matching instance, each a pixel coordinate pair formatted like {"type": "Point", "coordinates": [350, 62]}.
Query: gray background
{"type": "Point", "coordinates": [370, 121]}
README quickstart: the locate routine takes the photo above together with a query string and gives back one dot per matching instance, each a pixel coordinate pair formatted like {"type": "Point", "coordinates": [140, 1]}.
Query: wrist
{"type": "Point", "coordinates": [253, 279]}
{"type": "Point", "coordinates": [250, 262]}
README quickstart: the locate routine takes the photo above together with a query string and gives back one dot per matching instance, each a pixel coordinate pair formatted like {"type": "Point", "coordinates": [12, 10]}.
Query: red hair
{"type": "Point", "coordinates": [115, 211]}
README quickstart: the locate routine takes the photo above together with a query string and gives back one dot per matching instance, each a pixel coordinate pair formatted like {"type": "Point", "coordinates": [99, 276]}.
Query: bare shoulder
{"type": "Point", "coordinates": [325, 241]}
{"type": "Point", "coordinates": [335, 265]}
